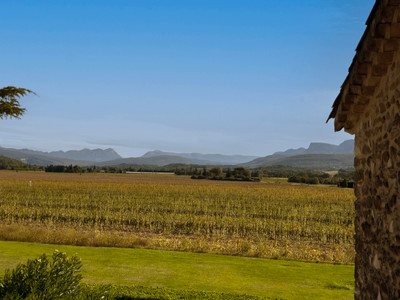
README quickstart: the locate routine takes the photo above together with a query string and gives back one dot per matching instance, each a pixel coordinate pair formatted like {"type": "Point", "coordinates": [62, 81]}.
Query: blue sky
{"type": "Point", "coordinates": [234, 77]}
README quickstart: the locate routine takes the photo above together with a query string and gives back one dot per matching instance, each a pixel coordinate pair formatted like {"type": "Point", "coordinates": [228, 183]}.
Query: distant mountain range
{"type": "Point", "coordinates": [347, 147]}
{"type": "Point", "coordinates": [110, 157]}
{"type": "Point", "coordinates": [323, 162]}
{"type": "Point", "coordinates": [96, 155]}
{"type": "Point", "coordinates": [317, 155]}
{"type": "Point", "coordinates": [38, 159]}
{"type": "Point", "coordinates": [159, 160]}
{"type": "Point", "coordinates": [209, 158]}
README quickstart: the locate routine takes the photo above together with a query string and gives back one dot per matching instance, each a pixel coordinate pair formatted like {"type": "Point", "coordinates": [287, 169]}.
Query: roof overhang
{"type": "Point", "coordinates": [374, 54]}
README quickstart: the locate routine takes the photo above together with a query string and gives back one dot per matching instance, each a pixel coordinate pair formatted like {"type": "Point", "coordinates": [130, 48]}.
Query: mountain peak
{"type": "Point", "coordinates": [97, 155]}
{"type": "Point", "coordinates": [336, 156]}
{"type": "Point", "coordinates": [347, 147]}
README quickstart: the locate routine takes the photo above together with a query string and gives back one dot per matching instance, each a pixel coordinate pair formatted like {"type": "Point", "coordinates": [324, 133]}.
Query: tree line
{"type": "Point", "coordinates": [344, 178]}
{"type": "Point", "coordinates": [237, 174]}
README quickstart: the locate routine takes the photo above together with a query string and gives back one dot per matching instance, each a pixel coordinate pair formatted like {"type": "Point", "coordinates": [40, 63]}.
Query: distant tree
{"type": "Point", "coordinates": [312, 180]}
{"type": "Point", "coordinates": [257, 174]}
{"type": "Point", "coordinates": [9, 102]}
{"type": "Point", "coordinates": [241, 173]}
{"type": "Point", "coordinates": [215, 172]}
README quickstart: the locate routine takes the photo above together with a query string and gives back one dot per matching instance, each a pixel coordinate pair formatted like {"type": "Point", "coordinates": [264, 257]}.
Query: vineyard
{"type": "Point", "coordinates": [273, 220]}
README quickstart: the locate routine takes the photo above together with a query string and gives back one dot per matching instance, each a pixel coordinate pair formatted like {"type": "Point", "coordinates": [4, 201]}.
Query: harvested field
{"type": "Point", "coordinates": [174, 212]}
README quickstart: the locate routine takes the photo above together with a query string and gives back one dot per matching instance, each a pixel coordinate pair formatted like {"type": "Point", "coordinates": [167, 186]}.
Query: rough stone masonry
{"type": "Point", "coordinates": [369, 107]}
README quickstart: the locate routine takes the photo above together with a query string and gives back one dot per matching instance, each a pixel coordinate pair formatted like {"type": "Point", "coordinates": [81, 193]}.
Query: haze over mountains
{"type": "Point", "coordinates": [37, 159]}
{"type": "Point", "coordinates": [216, 158]}
{"type": "Point", "coordinates": [159, 161]}
{"type": "Point", "coordinates": [316, 155]}
{"type": "Point", "coordinates": [347, 147]}
{"type": "Point", "coordinates": [96, 155]}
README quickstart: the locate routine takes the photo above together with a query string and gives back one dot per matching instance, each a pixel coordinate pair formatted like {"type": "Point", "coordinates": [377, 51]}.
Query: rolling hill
{"type": "Point", "coordinates": [40, 160]}
{"type": "Point", "coordinates": [10, 163]}
{"type": "Point", "coordinates": [347, 147]}
{"type": "Point", "coordinates": [318, 156]}
{"type": "Point", "coordinates": [315, 161]}
{"type": "Point", "coordinates": [211, 158]}
{"type": "Point", "coordinates": [160, 160]}
{"type": "Point", "coordinates": [95, 155]}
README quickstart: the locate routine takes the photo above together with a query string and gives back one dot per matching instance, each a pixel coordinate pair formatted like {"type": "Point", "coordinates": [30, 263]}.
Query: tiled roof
{"type": "Point", "coordinates": [374, 55]}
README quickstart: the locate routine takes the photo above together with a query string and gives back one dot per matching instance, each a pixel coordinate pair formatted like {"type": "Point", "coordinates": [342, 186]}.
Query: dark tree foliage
{"type": "Point", "coordinates": [9, 102]}
{"type": "Point", "coordinates": [241, 173]}
{"type": "Point", "coordinates": [217, 173]}
{"type": "Point", "coordinates": [346, 174]}
{"type": "Point", "coordinates": [304, 179]}
{"type": "Point", "coordinates": [13, 164]}
{"type": "Point", "coordinates": [65, 169]}
{"type": "Point", "coordinates": [344, 178]}
{"type": "Point", "coordinates": [346, 184]}
{"type": "Point", "coordinates": [288, 171]}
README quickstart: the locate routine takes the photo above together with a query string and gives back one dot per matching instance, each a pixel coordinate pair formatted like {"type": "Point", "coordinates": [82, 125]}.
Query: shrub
{"type": "Point", "coordinates": [43, 279]}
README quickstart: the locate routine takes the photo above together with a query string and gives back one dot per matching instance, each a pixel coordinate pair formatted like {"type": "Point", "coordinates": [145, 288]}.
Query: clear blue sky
{"type": "Point", "coordinates": [247, 77]}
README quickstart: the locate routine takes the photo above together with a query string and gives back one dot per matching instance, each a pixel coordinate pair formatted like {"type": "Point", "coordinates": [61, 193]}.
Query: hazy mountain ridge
{"type": "Point", "coordinates": [323, 154]}
{"type": "Point", "coordinates": [40, 160]}
{"type": "Point", "coordinates": [161, 160]}
{"type": "Point", "coordinates": [321, 162]}
{"type": "Point", "coordinates": [49, 158]}
{"type": "Point", "coordinates": [347, 147]}
{"type": "Point", "coordinates": [95, 155]}
{"type": "Point", "coordinates": [317, 155]}
{"type": "Point", "coordinates": [210, 158]}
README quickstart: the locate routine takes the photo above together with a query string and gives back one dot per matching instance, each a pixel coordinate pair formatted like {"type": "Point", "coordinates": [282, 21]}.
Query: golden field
{"type": "Point", "coordinates": [272, 220]}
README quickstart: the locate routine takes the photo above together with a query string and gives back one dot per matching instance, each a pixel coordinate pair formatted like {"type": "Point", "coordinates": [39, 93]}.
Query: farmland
{"type": "Point", "coordinates": [271, 220]}
{"type": "Point", "coordinates": [193, 275]}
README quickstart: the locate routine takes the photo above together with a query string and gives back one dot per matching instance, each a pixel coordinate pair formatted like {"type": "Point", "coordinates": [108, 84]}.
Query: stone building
{"type": "Point", "coordinates": [368, 106]}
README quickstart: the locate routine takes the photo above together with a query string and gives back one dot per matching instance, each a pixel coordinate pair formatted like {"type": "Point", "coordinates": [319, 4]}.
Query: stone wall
{"type": "Point", "coordinates": [377, 163]}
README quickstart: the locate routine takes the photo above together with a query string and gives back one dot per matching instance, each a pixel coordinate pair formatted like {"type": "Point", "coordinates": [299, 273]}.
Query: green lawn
{"type": "Point", "coordinates": [192, 271]}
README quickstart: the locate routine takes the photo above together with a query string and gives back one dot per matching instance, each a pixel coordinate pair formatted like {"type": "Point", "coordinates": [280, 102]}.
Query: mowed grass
{"type": "Point", "coordinates": [271, 220]}
{"type": "Point", "coordinates": [192, 271]}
